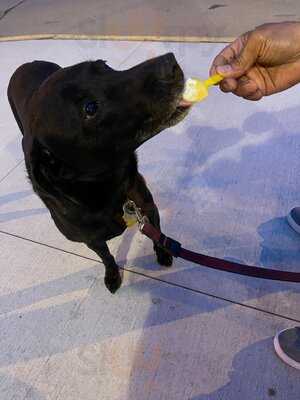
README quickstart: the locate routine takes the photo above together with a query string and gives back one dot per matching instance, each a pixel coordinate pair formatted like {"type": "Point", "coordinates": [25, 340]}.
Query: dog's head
{"type": "Point", "coordinates": [89, 112]}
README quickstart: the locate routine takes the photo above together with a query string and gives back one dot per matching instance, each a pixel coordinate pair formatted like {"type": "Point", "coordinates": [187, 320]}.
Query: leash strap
{"type": "Point", "coordinates": [176, 250]}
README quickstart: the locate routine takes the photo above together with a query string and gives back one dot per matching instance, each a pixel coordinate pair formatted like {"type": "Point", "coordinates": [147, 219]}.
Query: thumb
{"type": "Point", "coordinates": [247, 50]}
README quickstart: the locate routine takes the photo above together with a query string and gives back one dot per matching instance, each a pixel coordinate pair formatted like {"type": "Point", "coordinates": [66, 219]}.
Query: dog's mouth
{"type": "Point", "coordinates": [170, 114]}
{"type": "Point", "coordinates": [185, 104]}
{"type": "Point", "coordinates": [182, 108]}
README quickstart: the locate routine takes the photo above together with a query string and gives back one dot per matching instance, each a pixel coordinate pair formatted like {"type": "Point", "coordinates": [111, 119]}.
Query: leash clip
{"type": "Point", "coordinates": [133, 214]}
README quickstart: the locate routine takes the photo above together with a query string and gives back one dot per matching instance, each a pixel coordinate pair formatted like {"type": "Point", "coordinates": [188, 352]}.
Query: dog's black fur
{"type": "Point", "coordinates": [81, 126]}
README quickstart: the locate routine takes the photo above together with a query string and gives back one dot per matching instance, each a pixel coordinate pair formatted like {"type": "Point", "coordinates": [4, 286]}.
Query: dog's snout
{"type": "Point", "coordinates": [168, 69]}
{"type": "Point", "coordinates": [162, 68]}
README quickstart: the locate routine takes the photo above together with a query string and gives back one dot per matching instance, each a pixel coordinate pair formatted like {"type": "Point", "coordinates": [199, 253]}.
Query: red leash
{"type": "Point", "coordinates": [175, 249]}
{"type": "Point", "coordinates": [131, 211]}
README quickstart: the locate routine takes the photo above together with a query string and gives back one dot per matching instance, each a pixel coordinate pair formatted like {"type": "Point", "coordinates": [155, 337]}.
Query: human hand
{"type": "Point", "coordinates": [261, 62]}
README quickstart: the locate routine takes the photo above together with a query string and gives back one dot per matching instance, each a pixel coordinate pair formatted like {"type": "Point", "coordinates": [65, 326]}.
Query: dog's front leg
{"type": "Point", "coordinates": [112, 277]}
{"type": "Point", "coordinates": [142, 196]}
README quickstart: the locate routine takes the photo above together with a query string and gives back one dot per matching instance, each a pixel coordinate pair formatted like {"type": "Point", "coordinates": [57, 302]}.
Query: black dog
{"type": "Point", "coordinates": [81, 126]}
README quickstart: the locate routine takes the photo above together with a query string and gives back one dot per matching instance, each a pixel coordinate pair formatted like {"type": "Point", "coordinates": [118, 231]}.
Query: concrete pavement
{"type": "Point", "coordinates": [191, 20]}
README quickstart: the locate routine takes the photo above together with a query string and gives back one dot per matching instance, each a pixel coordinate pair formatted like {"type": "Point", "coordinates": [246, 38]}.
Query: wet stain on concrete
{"type": "Point", "coordinates": [51, 22]}
{"type": "Point", "coordinates": [214, 6]}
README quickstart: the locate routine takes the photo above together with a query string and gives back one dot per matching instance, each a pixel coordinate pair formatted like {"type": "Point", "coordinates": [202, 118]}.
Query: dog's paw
{"type": "Point", "coordinates": [163, 257]}
{"type": "Point", "coordinates": [113, 281]}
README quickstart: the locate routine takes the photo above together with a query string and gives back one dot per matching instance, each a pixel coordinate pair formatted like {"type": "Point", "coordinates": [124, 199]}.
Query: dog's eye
{"type": "Point", "coordinates": [91, 108]}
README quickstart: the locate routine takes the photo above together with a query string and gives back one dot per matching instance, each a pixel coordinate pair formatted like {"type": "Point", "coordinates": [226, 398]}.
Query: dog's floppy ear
{"type": "Point", "coordinates": [46, 167]}
{"type": "Point", "coordinates": [46, 172]}
{"type": "Point", "coordinates": [23, 83]}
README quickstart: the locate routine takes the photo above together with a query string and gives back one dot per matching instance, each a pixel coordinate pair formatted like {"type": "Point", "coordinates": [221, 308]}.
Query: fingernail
{"type": "Point", "coordinates": [224, 69]}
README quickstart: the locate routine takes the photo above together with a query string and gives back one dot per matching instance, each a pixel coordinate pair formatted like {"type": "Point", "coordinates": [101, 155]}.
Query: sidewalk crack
{"type": "Point", "coordinates": [8, 10]}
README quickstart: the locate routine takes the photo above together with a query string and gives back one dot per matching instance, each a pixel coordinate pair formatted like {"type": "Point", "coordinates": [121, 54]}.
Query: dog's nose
{"type": "Point", "coordinates": [168, 69]}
